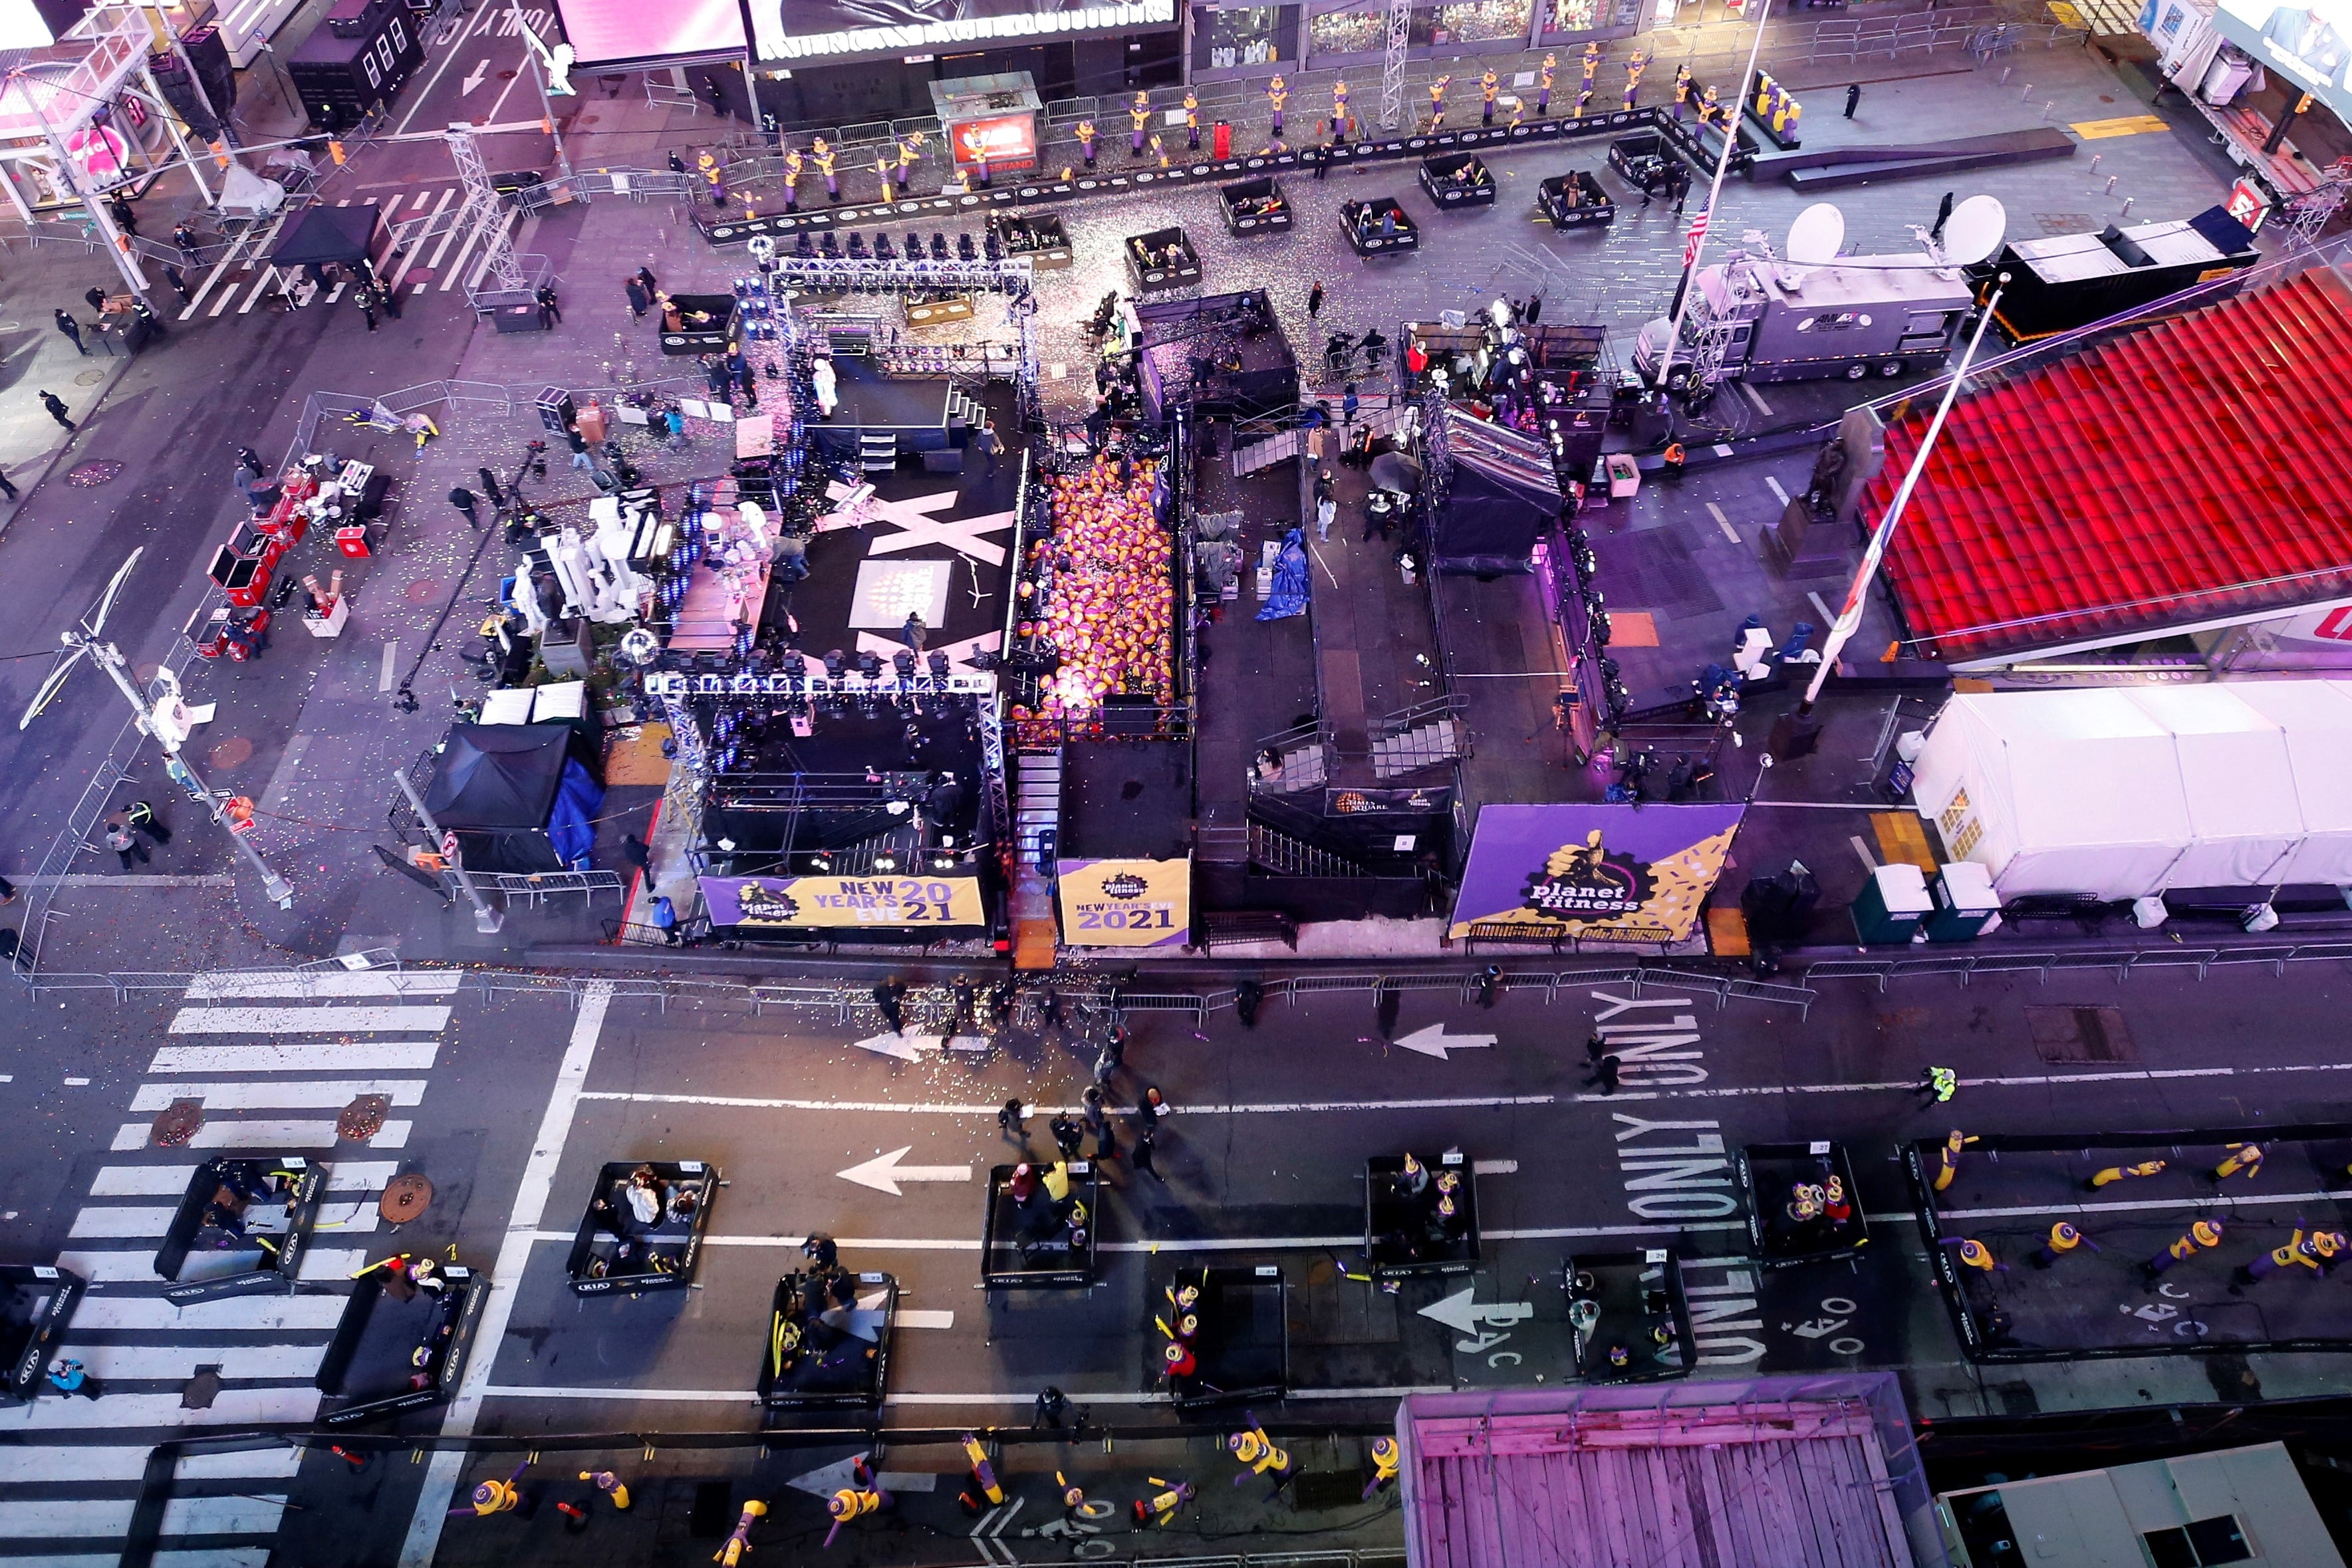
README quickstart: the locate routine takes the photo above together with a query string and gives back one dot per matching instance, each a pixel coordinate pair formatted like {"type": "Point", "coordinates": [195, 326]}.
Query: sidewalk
{"type": "Point", "coordinates": [39, 280]}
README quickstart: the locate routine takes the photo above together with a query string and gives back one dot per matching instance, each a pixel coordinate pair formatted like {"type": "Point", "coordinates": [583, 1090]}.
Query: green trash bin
{"type": "Point", "coordinates": [1888, 909]}
{"type": "Point", "coordinates": [1966, 904]}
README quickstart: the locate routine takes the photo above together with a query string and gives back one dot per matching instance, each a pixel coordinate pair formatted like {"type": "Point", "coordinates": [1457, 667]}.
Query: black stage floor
{"type": "Point", "coordinates": [1127, 800]}
{"type": "Point", "coordinates": [871, 399]}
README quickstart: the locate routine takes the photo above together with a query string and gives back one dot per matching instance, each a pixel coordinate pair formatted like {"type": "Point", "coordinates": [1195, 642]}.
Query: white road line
{"type": "Point", "coordinates": [1764, 408]}
{"type": "Point", "coordinates": [220, 270]}
{"type": "Point", "coordinates": [2229, 1200]}
{"type": "Point", "coordinates": [259, 287]}
{"type": "Point", "coordinates": [316, 1094]}
{"type": "Point", "coordinates": [1829, 617]}
{"type": "Point", "coordinates": [308, 1020]}
{"type": "Point", "coordinates": [457, 224]}
{"type": "Point", "coordinates": [1862, 852]}
{"type": "Point", "coordinates": [177, 1364]}
{"type": "Point", "coordinates": [309, 1056]}
{"type": "Point", "coordinates": [1723, 522]}
{"type": "Point", "coordinates": [677, 1396]}
{"type": "Point", "coordinates": [120, 1224]}
{"type": "Point", "coordinates": [409, 253]}
{"type": "Point", "coordinates": [272, 1134]}
{"type": "Point", "coordinates": [1777, 493]}
{"type": "Point", "coordinates": [950, 1109]}
{"type": "Point", "coordinates": [231, 984]}
{"type": "Point", "coordinates": [171, 1181]}
{"type": "Point", "coordinates": [242, 1314]}
{"type": "Point", "coordinates": [215, 1557]}
{"type": "Point", "coordinates": [89, 1463]}
{"type": "Point", "coordinates": [232, 1408]}
{"type": "Point", "coordinates": [532, 1194]}
{"type": "Point", "coordinates": [385, 677]}
{"type": "Point", "coordinates": [321, 1264]}
{"type": "Point", "coordinates": [337, 291]}
{"type": "Point", "coordinates": [922, 1318]}
{"type": "Point", "coordinates": [1494, 1167]}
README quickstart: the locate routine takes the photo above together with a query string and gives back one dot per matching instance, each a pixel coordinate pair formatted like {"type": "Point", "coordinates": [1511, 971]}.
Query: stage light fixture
{"type": "Point", "coordinates": [869, 664]}
{"type": "Point", "coordinates": [833, 663]}
{"type": "Point", "coordinates": [903, 662]}
{"type": "Point", "coordinates": [885, 862]}
{"type": "Point", "coordinates": [796, 666]}
{"type": "Point", "coordinates": [938, 665]}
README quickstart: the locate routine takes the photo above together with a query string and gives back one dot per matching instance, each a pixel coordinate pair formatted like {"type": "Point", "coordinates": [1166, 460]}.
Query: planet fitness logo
{"type": "Point", "coordinates": [1125, 885]}
{"type": "Point", "coordinates": [1584, 880]}
{"type": "Point", "coordinates": [763, 906]}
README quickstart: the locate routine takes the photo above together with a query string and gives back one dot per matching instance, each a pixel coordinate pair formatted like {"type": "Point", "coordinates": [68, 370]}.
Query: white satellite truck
{"type": "Point", "coordinates": [1818, 315]}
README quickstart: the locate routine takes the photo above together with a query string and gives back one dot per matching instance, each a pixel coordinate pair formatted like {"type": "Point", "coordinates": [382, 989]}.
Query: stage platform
{"type": "Point", "coordinates": [1127, 800]}
{"type": "Point", "coordinates": [921, 414]}
{"type": "Point", "coordinates": [2010, 1191]}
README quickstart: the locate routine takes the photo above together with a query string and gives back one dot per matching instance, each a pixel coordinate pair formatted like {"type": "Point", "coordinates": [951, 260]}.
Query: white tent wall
{"type": "Point", "coordinates": [2055, 791]}
{"type": "Point", "coordinates": [2317, 717]}
{"type": "Point", "coordinates": [2243, 816]}
{"type": "Point", "coordinates": [2122, 794]}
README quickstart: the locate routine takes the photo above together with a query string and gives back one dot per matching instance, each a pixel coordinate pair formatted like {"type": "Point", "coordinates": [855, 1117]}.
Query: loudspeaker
{"type": "Point", "coordinates": [209, 55]}
{"type": "Point", "coordinates": [178, 91]}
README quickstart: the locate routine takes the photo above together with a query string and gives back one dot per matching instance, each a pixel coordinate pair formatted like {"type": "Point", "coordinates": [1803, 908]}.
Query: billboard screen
{"type": "Point", "coordinates": [1607, 873]}
{"type": "Point", "coordinates": [628, 32]}
{"type": "Point", "coordinates": [791, 30]}
{"type": "Point", "coordinates": [2311, 46]}
{"type": "Point", "coordinates": [1009, 140]}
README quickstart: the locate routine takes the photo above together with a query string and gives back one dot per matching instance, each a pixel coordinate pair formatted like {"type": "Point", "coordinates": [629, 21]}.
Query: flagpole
{"type": "Point", "coordinates": [1849, 617]}
{"type": "Point", "coordinates": [1705, 222]}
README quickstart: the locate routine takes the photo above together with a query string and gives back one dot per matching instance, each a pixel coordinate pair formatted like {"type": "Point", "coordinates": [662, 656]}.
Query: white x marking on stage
{"type": "Point", "coordinates": [916, 526]}
{"type": "Point", "coordinates": [957, 652]}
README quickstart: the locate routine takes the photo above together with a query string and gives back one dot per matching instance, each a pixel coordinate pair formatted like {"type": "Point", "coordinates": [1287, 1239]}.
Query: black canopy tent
{"type": "Point", "coordinates": [521, 798]}
{"type": "Point", "coordinates": [347, 234]}
{"type": "Point", "coordinates": [1501, 500]}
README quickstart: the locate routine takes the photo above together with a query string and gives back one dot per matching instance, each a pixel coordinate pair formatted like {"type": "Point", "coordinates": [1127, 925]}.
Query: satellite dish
{"type": "Point", "coordinates": [1974, 231]}
{"type": "Point", "coordinates": [97, 622]}
{"type": "Point", "coordinates": [1815, 236]}
{"type": "Point", "coordinates": [54, 684]}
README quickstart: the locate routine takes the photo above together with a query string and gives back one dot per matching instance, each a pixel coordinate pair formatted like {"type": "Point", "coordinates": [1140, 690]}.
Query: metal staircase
{"type": "Point", "coordinates": [1305, 754]}
{"type": "Point", "coordinates": [1278, 852]}
{"type": "Point", "coordinates": [963, 410]}
{"type": "Point", "coordinates": [1036, 825]}
{"type": "Point", "coordinates": [878, 451]}
{"type": "Point", "coordinates": [1420, 737]}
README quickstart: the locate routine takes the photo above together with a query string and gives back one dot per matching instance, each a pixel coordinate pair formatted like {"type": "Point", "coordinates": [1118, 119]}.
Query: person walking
{"type": "Point", "coordinates": [364, 298]}
{"type": "Point", "coordinates": [639, 300]}
{"type": "Point", "coordinates": [1852, 99]}
{"type": "Point", "coordinates": [579, 445]}
{"type": "Point", "coordinates": [185, 238]}
{"type": "Point", "coordinates": [648, 282]}
{"type": "Point", "coordinates": [1068, 1136]}
{"type": "Point", "coordinates": [551, 314]}
{"type": "Point", "coordinates": [1348, 404]}
{"type": "Point", "coordinates": [1327, 511]}
{"type": "Point", "coordinates": [963, 1008]}
{"type": "Point", "coordinates": [140, 818]}
{"type": "Point", "coordinates": [1097, 1119]}
{"type": "Point", "coordinates": [1938, 1085]}
{"type": "Point", "coordinates": [6, 488]}
{"type": "Point", "coordinates": [889, 998]}
{"type": "Point", "coordinates": [915, 633]}
{"type": "Point", "coordinates": [72, 329]}
{"type": "Point", "coordinates": [665, 919]}
{"type": "Point", "coordinates": [1314, 299]}
{"type": "Point", "coordinates": [636, 852]}
{"type": "Point", "coordinates": [987, 445]}
{"type": "Point", "coordinates": [463, 499]}
{"type": "Point", "coordinates": [56, 407]}
{"type": "Point", "coordinates": [821, 1250]}
{"type": "Point", "coordinates": [97, 298]}
{"type": "Point", "coordinates": [179, 283]}
{"type": "Point", "coordinates": [1604, 1074]}
{"type": "Point", "coordinates": [70, 1377]}
{"type": "Point", "coordinates": [1013, 1123]}
{"type": "Point", "coordinates": [1150, 1108]}
{"type": "Point", "coordinates": [386, 297]}
{"type": "Point", "coordinates": [1142, 1156]}
{"type": "Point", "coordinates": [118, 839]}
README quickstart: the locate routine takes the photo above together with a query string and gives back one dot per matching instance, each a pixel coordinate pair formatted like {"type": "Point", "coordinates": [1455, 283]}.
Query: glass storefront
{"type": "Point", "coordinates": [1472, 22]}
{"type": "Point", "coordinates": [1575, 18]}
{"type": "Point", "coordinates": [1358, 32]}
{"type": "Point", "coordinates": [1234, 36]}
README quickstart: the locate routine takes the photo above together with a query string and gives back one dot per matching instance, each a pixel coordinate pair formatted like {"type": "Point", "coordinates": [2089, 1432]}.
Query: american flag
{"type": "Point", "coordinates": [1690, 242]}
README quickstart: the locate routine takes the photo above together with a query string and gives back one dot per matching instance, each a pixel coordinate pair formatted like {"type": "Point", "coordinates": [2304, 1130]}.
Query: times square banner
{"type": "Point", "coordinates": [793, 32]}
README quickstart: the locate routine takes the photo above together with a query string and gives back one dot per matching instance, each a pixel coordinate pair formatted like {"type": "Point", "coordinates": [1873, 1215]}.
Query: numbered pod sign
{"type": "Point", "coordinates": [1126, 903]}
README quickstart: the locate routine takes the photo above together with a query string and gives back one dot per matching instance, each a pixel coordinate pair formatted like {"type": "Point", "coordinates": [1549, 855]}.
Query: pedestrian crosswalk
{"type": "Point", "coordinates": [426, 224]}
{"type": "Point", "coordinates": [247, 1050]}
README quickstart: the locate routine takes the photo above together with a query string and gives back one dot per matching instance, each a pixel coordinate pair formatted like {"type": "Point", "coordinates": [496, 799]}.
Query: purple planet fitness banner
{"type": "Point", "coordinates": [1611, 873]}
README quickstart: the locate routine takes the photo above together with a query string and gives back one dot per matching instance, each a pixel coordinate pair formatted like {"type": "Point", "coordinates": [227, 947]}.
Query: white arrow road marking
{"type": "Point", "coordinates": [1494, 1167]}
{"type": "Point", "coordinates": [827, 1479]}
{"type": "Point", "coordinates": [1434, 1041]}
{"type": "Point", "coordinates": [969, 1043]}
{"type": "Point", "coordinates": [1463, 1315]}
{"type": "Point", "coordinates": [482, 70]}
{"type": "Point", "coordinates": [901, 1048]}
{"type": "Point", "coordinates": [923, 1318]}
{"type": "Point", "coordinates": [883, 1173]}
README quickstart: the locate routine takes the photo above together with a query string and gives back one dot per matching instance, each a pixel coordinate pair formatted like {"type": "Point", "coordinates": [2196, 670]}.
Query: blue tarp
{"type": "Point", "coordinates": [570, 824]}
{"type": "Point", "coordinates": [1289, 595]}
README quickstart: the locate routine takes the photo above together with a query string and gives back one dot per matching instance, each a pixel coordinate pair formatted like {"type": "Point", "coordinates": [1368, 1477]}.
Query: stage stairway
{"type": "Point", "coordinates": [1420, 737]}
{"type": "Point", "coordinates": [1036, 822]}
{"type": "Point", "coordinates": [1278, 852]}
{"type": "Point", "coordinates": [878, 451]}
{"type": "Point", "coordinates": [1248, 457]}
{"type": "Point", "coordinates": [962, 411]}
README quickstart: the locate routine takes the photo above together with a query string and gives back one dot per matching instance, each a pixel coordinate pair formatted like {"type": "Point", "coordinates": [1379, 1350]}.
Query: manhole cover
{"type": "Point", "coordinates": [507, 76]}
{"type": "Point", "coordinates": [420, 275]}
{"type": "Point", "coordinates": [89, 378]}
{"type": "Point", "coordinates": [363, 1118]}
{"type": "Point", "coordinates": [421, 592]}
{"type": "Point", "coordinates": [233, 752]}
{"type": "Point", "coordinates": [404, 1197]}
{"type": "Point", "coordinates": [177, 1122]}
{"type": "Point", "coordinates": [2081, 1034]}
{"type": "Point", "coordinates": [86, 474]}
{"type": "Point", "coordinates": [2066, 223]}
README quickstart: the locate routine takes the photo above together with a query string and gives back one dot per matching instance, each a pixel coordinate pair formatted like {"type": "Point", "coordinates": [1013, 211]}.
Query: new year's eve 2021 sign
{"type": "Point", "coordinates": [1126, 903]}
{"type": "Point", "coordinates": [1609, 873]}
{"type": "Point", "coordinates": [791, 903]}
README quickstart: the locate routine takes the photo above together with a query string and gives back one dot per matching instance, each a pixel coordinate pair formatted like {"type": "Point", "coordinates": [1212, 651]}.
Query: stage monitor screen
{"type": "Point", "coordinates": [794, 30]}
{"type": "Point", "coordinates": [628, 32]}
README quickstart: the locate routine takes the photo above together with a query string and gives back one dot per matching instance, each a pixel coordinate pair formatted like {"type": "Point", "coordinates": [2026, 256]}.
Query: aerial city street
{"type": "Point", "coordinates": [1456, 782]}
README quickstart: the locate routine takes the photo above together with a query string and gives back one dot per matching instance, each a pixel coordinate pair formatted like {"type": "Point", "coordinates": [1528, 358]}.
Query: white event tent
{"type": "Point", "coordinates": [2124, 792]}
